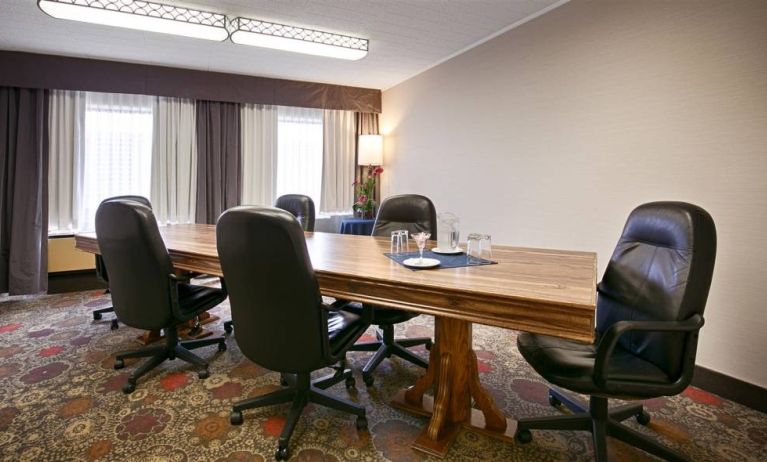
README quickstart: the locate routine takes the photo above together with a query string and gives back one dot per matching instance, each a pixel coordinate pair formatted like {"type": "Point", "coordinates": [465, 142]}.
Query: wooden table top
{"type": "Point", "coordinates": [536, 290]}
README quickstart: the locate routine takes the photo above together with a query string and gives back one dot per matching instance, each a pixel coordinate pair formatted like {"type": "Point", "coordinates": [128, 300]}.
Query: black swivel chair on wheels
{"type": "Point", "coordinates": [301, 207]}
{"type": "Point", "coordinates": [276, 302]}
{"type": "Point", "coordinates": [415, 214]}
{"type": "Point", "coordinates": [101, 271]}
{"type": "Point", "coordinates": [145, 292]}
{"type": "Point", "coordinates": [649, 312]}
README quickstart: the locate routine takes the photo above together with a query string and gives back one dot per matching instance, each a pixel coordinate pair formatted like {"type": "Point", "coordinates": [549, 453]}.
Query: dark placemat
{"type": "Point", "coordinates": [445, 261]}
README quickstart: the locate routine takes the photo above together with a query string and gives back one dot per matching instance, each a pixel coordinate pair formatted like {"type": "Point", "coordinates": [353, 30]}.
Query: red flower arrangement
{"type": "Point", "coordinates": [365, 191]}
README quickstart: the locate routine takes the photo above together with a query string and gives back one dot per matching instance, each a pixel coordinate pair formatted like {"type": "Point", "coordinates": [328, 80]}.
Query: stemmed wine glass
{"type": "Point", "coordinates": [420, 240]}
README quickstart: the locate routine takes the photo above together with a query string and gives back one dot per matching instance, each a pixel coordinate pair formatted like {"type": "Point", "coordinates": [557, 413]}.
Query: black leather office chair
{"type": "Point", "coordinates": [145, 292]}
{"type": "Point", "coordinates": [416, 214]}
{"type": "Point", "coordinates": [301, 207]}
{"type": "Point", "coordinates": [649, 312]}
{"type": "Point", "coordinates": [101, 271]}
{"type": "Point", "coordinates": [276, 302]}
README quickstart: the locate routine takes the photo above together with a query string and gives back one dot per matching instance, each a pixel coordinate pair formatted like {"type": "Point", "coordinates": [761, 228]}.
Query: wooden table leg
{"type": "Point", "coordinates": [454, 376]}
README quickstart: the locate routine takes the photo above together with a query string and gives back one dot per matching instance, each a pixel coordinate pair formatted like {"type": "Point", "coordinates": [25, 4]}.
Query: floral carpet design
{"type": "Point", "coordinates": [61, 401]}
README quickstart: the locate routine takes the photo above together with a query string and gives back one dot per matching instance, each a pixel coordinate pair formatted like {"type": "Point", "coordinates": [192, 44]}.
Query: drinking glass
{"type": "Point", "coordinates": [404, 243]}
{"type": "Point", "coordinates": [478, 249]}
{"type": "Point", "coordinates": [473, 241]}
{"type": "Point", "coordinates": [396, 242]}
{"type": "Point", "coordinates": [420, 240]}
{"type": "Point", "coordinates": [486, 248]}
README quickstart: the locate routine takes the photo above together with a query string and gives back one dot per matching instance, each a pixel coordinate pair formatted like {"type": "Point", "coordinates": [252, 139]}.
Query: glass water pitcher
{"type": "Point", "coordinates": [448, 233]}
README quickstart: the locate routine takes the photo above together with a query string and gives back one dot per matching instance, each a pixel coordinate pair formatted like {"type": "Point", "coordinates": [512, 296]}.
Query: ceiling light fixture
{"type": "Point", "coordinates": [297, 39]}
{"type": "Point", "coordinates": [148, 16]}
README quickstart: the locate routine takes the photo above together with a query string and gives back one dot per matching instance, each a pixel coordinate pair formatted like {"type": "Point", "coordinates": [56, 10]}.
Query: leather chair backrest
{"type": "Point", "coordinates": [407, 211]}
{"type": "Point", "coordinates": [101, 271]}
{"type": "Point", "coordinates": [302, 207]}
{"type": "Point", "coordinates": [273, 292]}
{"type": "Point", "coordinates": [137, 262]}
{"type": "Point", "coordinates": [660, 270]}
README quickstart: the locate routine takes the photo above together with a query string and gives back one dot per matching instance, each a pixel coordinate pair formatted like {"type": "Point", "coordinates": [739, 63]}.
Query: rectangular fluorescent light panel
{"type": "Point", "coordinates": [140, 15]}
{"type": "Point", "coordinates": [297, 39]}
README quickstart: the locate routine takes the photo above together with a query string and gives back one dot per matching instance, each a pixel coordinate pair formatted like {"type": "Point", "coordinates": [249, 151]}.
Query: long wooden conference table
{"type": "Point", "coordinates": [535, 290]}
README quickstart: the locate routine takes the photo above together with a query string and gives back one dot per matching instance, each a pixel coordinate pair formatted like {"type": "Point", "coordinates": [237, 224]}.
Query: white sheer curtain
{"type": "Point", "coordinates": [118, 150]}
{"type": "Point", "coordinates": [338, 162]}
{"type": "Point", "coordinates": [174, 161]}
{"type": "Point", "coordinates": [66, 120]}
{"type": "Point", "coordinates": [299, 158]}
{"type": "Point", "coordinates": [258, 129]}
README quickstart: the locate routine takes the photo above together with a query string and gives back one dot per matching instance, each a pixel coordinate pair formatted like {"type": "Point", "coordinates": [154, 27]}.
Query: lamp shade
{"type": "Point", "coordinates": [370, 150]}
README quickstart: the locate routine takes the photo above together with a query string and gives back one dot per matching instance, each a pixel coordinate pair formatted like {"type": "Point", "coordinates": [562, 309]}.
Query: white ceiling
{"type": "Point", "coordinates": [406, 36]}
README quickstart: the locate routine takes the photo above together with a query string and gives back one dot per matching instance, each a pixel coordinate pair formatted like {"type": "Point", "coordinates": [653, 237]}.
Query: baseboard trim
{"type": "Point", "coordinates": [73, 281]}
{"type": "Point", "coordinates": [731, 388]}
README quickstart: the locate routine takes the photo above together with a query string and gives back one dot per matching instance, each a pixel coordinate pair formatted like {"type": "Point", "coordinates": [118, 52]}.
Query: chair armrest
{"type": "Point", "coordinates": [174, 280]}
{"type": "Point", "coordinates": [367, 313]}
{"type": "Point", "coordinates": [367, 318]}
{"type": "Point", "coordinates": [328, 308]}
{"type": "Point", "coordinates": [338, 305]}
{"type": "Point", "coordinates": [611, 336]}
{"type": "Point", "coordinates": [178, 278]}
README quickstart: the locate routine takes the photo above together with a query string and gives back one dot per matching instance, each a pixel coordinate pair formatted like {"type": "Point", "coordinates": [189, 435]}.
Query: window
{"type": "Point", "coordinates": [299, 152]}
{"type": "Point", "coordinates": [117, 156]}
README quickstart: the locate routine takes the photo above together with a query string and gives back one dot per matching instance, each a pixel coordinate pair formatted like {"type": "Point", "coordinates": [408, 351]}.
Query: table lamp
{"type": "Point", "coordinates": [370, 150]}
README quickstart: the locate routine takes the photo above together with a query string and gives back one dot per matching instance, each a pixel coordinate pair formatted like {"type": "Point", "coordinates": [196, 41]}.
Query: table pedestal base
{"type": "Point", "coordinates": [454, 376]}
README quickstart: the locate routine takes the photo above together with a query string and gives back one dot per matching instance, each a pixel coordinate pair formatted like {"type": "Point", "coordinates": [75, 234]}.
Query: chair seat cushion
{"type": "Point", "coordinates": [193, 299]}
{"type": "Point", "coordinates": [344, 328]}
{"type": "Point", "coordinates": [381, 315]}
{"type": "Point", "coordinates": [570, 364]}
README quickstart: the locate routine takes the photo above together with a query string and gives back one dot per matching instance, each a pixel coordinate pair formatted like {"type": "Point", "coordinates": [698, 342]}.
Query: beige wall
{"type": "Point", "coordinates": [551, 133]}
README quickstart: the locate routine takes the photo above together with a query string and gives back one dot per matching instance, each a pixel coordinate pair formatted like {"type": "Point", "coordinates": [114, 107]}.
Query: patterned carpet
{"type": "Point", "coordinates": [61, 401]}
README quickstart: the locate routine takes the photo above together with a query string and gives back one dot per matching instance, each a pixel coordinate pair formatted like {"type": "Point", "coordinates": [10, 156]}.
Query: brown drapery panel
{"type": "Point", "coordinates": [23, 191]}
{"type": "Point", "coordinates": [219, 182]}
{"type": "Point", "coordinates": [366, 123]}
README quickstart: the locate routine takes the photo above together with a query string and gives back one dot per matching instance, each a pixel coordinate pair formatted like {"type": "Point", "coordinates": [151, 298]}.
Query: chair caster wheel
{"type": "Point", "coordinates": [523, 436]}
{"type": "Point", "coordinates": [129, 387]}
{"type": "Point", "coordinates": [429, 344]}
{"type": "Point", "coordinates": [228, 327]}
{"type": "Point", "coordinates": [235, 418]}
{"type": "Point", "coordinates": [203, 374]}
{"type": "Point", "coordinates": [643, 418]}
{"type": "Point", "coordinates": [119, 364]}
{"type": "Point", "coordinates": [554, 401]}
{"type": "Point", "coordinates": [96, 316]}
{"type": "Point", "coordinates": [350, 383]}
{"type": "Point", "coordinates": [284, 382]}
{"type": "Point", "coordinates": [281, 454]}
{"type": "Point", "coordinates": [368, 379]}
{"type": "Point", "coordinates": [222, 347]}
{"type": "Point", "coordinates": [361, 423]}
{"type": "Point", "coordinates": [115, 325]}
